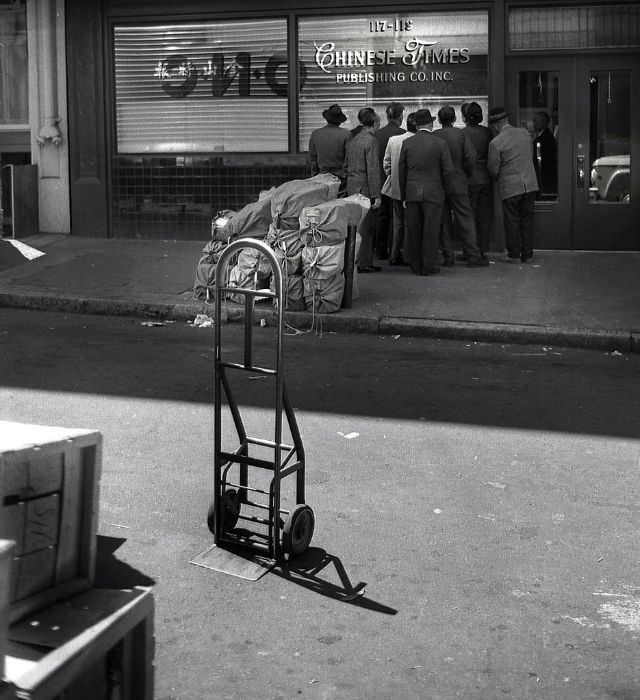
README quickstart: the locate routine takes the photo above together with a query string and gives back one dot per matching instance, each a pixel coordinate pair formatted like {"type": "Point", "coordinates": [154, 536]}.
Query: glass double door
{"type": "Point", "coordinates": [582, 113]}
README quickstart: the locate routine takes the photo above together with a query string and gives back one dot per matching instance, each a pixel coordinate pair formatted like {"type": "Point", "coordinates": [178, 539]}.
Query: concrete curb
{"type": "Point", "coordinates": [622, 341]}
{"type": "Point", "coordinates": [592, 339]}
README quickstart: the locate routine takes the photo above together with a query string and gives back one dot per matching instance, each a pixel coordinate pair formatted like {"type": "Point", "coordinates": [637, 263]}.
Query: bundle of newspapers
{"type": "Point", "coordinates": [306, 226]}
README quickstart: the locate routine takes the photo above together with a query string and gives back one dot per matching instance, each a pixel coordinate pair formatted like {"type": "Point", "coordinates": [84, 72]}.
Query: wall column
{"type": "Point", "coordinates": [47, 111]}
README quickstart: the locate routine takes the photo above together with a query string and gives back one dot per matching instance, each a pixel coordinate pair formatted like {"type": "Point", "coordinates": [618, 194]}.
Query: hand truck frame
{"type": "Point", "coordinates": [292, 535]}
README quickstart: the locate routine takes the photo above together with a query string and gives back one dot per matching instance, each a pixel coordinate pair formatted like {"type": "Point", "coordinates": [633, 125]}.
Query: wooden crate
{"type": "Point", "coordinates": [49, 480]}
{"type": "Point", "coordinates": [98, 645]}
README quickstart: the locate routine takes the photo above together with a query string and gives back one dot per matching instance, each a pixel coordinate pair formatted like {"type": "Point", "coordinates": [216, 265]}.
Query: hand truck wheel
{"type": "Point", "coordinates": [230, 511]}
{"type": "Point", "coordinates": [298, 530]}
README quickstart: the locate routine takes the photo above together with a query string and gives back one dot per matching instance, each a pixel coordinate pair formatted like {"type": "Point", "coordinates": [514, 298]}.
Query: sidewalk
{"type": "Point", "coordinates": [580, 299]}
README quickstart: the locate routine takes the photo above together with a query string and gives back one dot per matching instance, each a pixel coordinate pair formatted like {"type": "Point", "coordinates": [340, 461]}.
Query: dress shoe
{"type": "Point", "coordinates": [364, 269]}
{"type": "Point", "coordinates": [511, 259]}
{"type": "Point", "coordinates": [478, 262]}
{"type": "Point", "coordinates": [430, 271]}
{"type": "Point", "coordinates": [397, 261]}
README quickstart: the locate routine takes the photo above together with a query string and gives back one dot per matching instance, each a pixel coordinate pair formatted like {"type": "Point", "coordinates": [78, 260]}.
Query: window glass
{"type": "Point", "coordinates": [202, 87]}
{"type": "Point", "coordinates": [14, 101]}
{"type": "Point", "coordinates": [610, 135]}
{"type": "Point", "coordinates": [422, 60]}
{"type": "Point", "coordinates": [538, 113]}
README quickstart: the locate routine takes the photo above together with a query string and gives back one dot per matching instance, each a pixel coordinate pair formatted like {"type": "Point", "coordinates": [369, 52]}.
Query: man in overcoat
{"type": "Point", "coordinates": [457, 204]}
{"type": "Point", "coordinates": [510, 162]}
{"type": "Point", "coordinates": [393, 127]}
{"type": "Point", "coordinates": [327, 145]}
{"type": "Point", "coordinates": [391, 189]}
{"type": "Point", "coordinates": [425, 171]}
{"type": "Point", "coordinates": [363, 177]}
{"type": "Point", "coordinates": [480, 191]}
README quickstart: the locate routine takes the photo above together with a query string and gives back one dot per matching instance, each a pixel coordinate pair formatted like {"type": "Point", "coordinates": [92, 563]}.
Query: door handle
{"type": "Point", "coordinates": [580, 181]}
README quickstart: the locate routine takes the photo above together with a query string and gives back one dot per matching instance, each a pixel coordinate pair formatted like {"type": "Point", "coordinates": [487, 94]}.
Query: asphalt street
{"type": "Point", "coordinates": [486, 494]}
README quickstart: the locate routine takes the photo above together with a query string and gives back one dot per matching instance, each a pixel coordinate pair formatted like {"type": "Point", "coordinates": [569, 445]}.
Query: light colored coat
{"type": "Point", "coordinates": [363, 165]}
{"type": "Point", "coordinates": [391, 186]}
{"type": "Point", "coordinates": [510, 162]}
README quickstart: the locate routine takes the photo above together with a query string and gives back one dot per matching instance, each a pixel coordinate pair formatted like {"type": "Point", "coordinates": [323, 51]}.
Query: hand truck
{"type": "Point", "coordinates": [232, 515]}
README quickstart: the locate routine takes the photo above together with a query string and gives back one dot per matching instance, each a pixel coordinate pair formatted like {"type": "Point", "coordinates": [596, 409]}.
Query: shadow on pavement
{"type": "Point", "coordinates": [358, 376]}
{"type": "Point", "coordinates": [111, 572]}
{"type": "Point", "coordinates": [305, 569]}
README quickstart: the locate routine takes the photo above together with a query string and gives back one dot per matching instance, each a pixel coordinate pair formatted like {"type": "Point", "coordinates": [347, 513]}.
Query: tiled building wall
{"type": "Point", "coordinates": [175, 197]}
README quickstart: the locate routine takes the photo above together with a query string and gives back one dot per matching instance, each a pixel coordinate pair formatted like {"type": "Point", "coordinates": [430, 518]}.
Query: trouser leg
{"type": "Point", "coordinates": [413, 236]}
{"type": "Point", "coordinates": [397, 238]}
{"type": "Point", "coordinates": [432, 220]}
{"type": "Point", "coordinates": [382, 241]}
{"type": "Point", "coordinates": [527, 205]}
{"type": "Point", "coordinates": [367, 232]}
{"type": "Point", "coordinates": [511, 212]}
{"type": "Point", "coordinates": [482, 206]}
{"type": "Point", "coordinates": [446, 230]}
{"type": "Point", "coordinates": [463, 215]}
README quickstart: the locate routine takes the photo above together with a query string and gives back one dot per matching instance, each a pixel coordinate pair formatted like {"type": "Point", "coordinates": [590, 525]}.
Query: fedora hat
{"type": "Point", "coordinates": [472, 111]}
{"type": "Point", "coordinates": [496, 114]}
{"type": "Point", "coordinates": [334, 115]}
{"type": "Point", "coordinates": [423, 117]}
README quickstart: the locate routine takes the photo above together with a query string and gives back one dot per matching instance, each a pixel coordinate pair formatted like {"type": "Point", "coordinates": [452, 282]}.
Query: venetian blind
{"type": "Point", "coordinates": [590, 27]}
{"type": "Point", "coordinates": [201, 87]}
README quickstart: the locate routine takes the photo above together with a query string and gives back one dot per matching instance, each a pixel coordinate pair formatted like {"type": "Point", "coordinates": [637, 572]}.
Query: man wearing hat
{"type": "Point", "coordinates": [393, 128]}
{"type": "Point", "coordinates": [457, 203]}
{"type": "Point", "coordinates": [425, 172]}
{"type": "Point", "coordinates": [510, 163]}
{"type": "Point", "coordinates": [327, 145]}
{"type": "Point", "coordinates": [480, 194]}
{"type": "Point", "coordinates": [363, 177]}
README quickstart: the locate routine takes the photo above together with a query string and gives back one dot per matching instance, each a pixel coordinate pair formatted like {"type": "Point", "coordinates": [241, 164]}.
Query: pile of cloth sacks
{"type": "Point", "coordinates": [306, 226]}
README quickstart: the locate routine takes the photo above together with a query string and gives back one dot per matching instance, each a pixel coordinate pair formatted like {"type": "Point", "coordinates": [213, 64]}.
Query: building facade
{"type": "Point", "coordinates": [171, 112]}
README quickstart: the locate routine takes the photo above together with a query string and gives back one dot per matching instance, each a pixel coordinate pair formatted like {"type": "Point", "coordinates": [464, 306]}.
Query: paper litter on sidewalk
{"type": "Point", "coordinates": [203, 321]}
{"type": "Point", "coordinates": [27, 251]}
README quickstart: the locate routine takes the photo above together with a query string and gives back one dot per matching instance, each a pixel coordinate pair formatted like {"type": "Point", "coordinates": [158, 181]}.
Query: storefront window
{"type": "Point", "coordinates": [202, 87]}
{"type": "Point", "coordinates": [538, 113]}
{"type": "Point", "coordinates": [14, 100]}
{"type": "Point", "coordinates": [422, 60]}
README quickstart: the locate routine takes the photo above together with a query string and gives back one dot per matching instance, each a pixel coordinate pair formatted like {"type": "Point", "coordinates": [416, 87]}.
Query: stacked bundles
{"type": "Point", "coordinates": [322, 276]}
{"type": "Point", "coordinates": [206, 270]}
{"type": "Point", "coordinates": [252, 221]}
{"type": "Point", "coordinates": [251, 271]}
{"type": "Point", "coordinates": [306, 227]}
{"type": "Point", "coordinates": [327, 224]}
{"type": "Point", "coordinates": [287, 203]}
{"type": "Point", "coordinates": [323, 230]}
